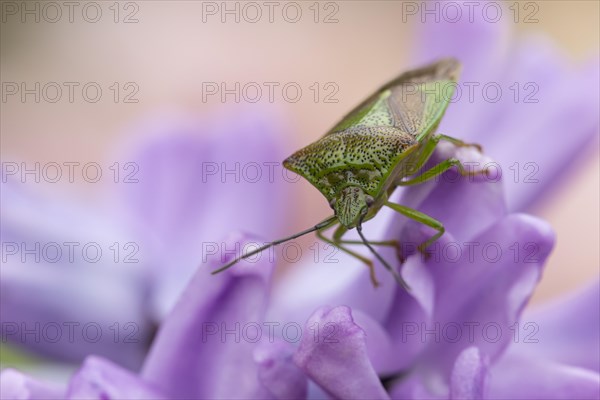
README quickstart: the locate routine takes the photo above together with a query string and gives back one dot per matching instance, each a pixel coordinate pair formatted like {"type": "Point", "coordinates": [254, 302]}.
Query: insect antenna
{"type": "Point", "coordinates": [387, 266]}
{"type": "Point", "coordinates": [320, 225]}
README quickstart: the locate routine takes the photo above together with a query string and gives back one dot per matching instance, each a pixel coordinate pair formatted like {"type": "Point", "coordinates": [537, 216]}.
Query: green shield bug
{"type": "Point", "coordinates": [378, 146]}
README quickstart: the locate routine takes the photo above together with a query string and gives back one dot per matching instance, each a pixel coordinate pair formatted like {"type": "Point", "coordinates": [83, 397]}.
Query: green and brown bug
{"type": "Point", "coordinates": [377, 147]}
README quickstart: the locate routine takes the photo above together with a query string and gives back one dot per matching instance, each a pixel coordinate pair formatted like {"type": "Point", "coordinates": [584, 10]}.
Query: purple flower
{"type": "Point", "coordinates": [182, 201]}
{"type": "Point", "coordinates": [452, 334]}
{"type": "Point", "coordinates": [545, 115]}
{"type": "Point", "coordinates": [204, 350]}
{"type": "Point", "coordinates": [460, 332]}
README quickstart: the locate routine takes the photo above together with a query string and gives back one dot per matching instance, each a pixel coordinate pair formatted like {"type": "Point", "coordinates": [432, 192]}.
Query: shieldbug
{"type": "Point", "coordinates": [380, 145]}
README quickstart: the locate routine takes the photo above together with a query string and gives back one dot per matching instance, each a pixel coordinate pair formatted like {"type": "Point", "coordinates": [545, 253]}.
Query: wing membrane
{"type": "Point", "coordinates": [414, 102]}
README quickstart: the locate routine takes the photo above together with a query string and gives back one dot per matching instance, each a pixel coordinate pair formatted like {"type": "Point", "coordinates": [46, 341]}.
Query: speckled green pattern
{"type": "Point", "coordinates": [359, 163]}
{"type": "Point", "coordinates": [365, 150]}
{"type": "Point", "coordinates": [360, 156]}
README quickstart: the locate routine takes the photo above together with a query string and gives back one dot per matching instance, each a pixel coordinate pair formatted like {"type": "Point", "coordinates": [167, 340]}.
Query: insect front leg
{"type": "Point", "coordinates": [338, 242]}
{"type": "Point", "coordinates": [422, 218]}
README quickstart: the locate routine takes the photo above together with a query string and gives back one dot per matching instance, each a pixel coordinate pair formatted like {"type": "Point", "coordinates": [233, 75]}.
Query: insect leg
{"type": "Point", "coordinates": [337, 242]}
{"type": "Point", "coordinates": [439, 169]}
{"type": "Point", "coordinates": [457, 142]}
{"type": "Point", "coordinates": [392, 271]}
{"type": "Point", "coordinates": [391, 243]}
{"type": "Point", "coordinates": [337, 239]}
{"type": "Point", "coordinates": [433, 172]}
{"type": "Point", "coordinates": [422, 218]}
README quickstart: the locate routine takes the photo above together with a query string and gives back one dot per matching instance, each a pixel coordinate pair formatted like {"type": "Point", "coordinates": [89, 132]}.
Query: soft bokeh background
{"type": "Point", "coordinates": [170, 51]}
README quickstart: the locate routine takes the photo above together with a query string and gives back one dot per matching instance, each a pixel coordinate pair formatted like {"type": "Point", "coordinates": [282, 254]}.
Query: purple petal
{"type": "Point", "coordinates": [379, 343]}
{"type": "Point", "coordinates": [521, 377]}
{"type": "Point", "coordinates": [209, 336]}
{"type": "Point", "coordinates": [530, 145]}
{"type": "Point", "coordinates": [277, 371]}
{"type": "Point", "coordinates": [466, 39]}
{"type": "Point", "coordinates": [467, 207]}
{"type": "Point", "coordinates": [336, 279]}
{"type": "Point", "coordinates": [63, 302]}
{"type": "Point", "coordinates": [333, 354]}
{"type": "Point", "coordinates": [15, 385]}
{"type": "Point", "coordinates": [486, 291]}
{"type": "Point", "coordinates": [409, 314]}
{"type": "Point", "coordinates": [198, 181]}
{"type": "Point", "coordinates": [100, 379]}
{"type": "Point", "coordinates": [540, 98]}
{"type": "Point", "coordinates": [469, 375]}
{"type": "Point", "coordinates": [565, 330]}
{"type": "Point", "coordinates": [337, 282]}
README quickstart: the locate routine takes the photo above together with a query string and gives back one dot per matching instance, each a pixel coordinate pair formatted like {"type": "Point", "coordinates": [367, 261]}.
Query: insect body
{"type": "Point", "coordinates": [377, 147]}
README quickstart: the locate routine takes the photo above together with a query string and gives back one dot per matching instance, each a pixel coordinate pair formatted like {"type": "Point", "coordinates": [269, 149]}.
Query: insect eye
{"type": "Point", "coordinates": [369, 200]}
{"type": "Point", "coordinates": [332, 202]}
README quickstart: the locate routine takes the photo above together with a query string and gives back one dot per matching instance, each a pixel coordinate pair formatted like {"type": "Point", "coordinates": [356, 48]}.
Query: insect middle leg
{"type": "Point", "coordinates": [443, 166]}
{"type": "Point", "coordinates": [338, 242]}
{"type": "Point", "coordinates": [422, 218]}
{"type": "Point", "coordinates": [390, 243]}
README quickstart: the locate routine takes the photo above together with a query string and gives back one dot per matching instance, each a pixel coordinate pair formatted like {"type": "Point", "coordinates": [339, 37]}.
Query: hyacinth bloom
{"type": "Point", "coordinates": [179, 202]}
{"type": "Point", "coordinates": [357, 336]}
{"type": "Point", "coordinates": [218, 343]}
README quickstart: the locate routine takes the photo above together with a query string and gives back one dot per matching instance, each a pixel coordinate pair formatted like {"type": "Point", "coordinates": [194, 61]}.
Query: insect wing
{"type": "Point", "coordinates": [414, 102]}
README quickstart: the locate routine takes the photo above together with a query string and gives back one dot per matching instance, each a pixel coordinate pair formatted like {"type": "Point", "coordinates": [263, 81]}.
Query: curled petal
{"type": "Point", "coordinates": [204, 341]}
{"type": "Point", "coordinates": [469, 375]}
{"type": "Point", "coordinates": [467, 208]}
{"type": "Point", "coordinates": [15, 385]}
{"type": "Point", "coordinates": [100, 379]}
{"type": "Point", "coordinates": [333, 354]}
{"type": "Point", "coordinates": [193, 174]}
{"type": "Point", "coordinates": [278, 373]}
{"type": "Point", "coordinates": [501, 276]}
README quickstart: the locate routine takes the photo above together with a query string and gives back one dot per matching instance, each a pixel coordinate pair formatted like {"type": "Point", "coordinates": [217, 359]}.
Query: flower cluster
{"type": "Point", "coordinates": [322, 331]}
